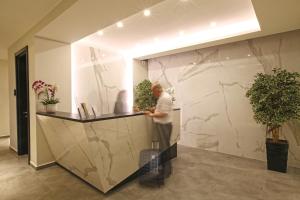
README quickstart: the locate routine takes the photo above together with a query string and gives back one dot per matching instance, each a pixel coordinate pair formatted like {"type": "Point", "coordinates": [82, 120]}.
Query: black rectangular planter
{"type": "Point", "coordinates": [277, 155]}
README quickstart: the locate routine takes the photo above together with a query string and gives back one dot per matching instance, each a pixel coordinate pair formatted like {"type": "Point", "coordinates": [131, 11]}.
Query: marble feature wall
{"type": "Point", "coordinates": [210, 86]}
{"type": "Point", "coordinates": [98, 75]}
{"type": "Point", "coordinates": [103, 153]}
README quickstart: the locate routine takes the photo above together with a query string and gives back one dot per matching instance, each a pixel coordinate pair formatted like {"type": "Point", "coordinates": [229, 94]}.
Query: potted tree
{"type": "Point", "coordinates": [144, 99]}
{"type": "Point", "coordinates": [275, 99]}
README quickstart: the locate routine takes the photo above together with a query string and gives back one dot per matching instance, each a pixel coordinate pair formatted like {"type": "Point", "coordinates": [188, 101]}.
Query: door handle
{"type": "Point", "coordinates": [25, 114]}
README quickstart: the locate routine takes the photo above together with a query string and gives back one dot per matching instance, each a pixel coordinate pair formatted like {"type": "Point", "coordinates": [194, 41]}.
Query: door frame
{"type": "Point", "coordinates": [23, 51]}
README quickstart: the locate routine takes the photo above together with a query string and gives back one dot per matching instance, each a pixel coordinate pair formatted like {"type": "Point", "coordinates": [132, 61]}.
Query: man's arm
{"type": "Point", "coordinates": [156, 114]}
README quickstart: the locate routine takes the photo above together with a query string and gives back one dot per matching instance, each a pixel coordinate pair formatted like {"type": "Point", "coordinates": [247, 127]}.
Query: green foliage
{"type": "Point", "coordinates": [275, 98]}
{"type": "Point", "coordinates": [50, 96]}
{"type": "Point", "coordinates": [144, 98]}
{"type": "Point", "coordinates": [47, 101]}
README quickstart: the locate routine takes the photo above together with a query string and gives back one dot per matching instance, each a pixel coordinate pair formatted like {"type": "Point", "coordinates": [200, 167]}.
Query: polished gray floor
{"type": "Point", "coordinates": [197, 175]}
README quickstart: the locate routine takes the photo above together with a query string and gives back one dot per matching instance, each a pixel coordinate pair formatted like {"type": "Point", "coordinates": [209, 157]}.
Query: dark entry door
{"type": "Point", "coordinates": [22, 99]}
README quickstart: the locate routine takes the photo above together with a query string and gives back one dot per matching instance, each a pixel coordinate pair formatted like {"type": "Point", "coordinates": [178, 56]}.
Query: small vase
{"type": "Point", "coordinates": [51, 108]}
{"type": "Point", "coordinates": [40, 107]}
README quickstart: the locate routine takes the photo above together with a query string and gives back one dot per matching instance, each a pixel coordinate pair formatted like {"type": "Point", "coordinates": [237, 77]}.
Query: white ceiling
{"type": "Point", "coordinates": [83, 19]}
{"type": "Point", "coordinates": [19, 16]}
{"type": "Point", "coordinates": [176, 24]}
{"type": "Point", "coordinates": [87, 16]}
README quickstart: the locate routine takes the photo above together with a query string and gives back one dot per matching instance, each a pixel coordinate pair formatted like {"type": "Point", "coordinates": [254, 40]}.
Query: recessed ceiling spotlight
{"type": "Point", "coordinates": [249, 55]}
{"type": "Point", "coordinates": [181, 33]}
{"type": "Point", "coordinates": [213, 24]}
{"type": "Point", "coordinates": [100, 33]}
{"type": "Point", "coordinates": [103, 55]}
{"type": "Point", "coordinates": [227, 58]}
{"type": "Point", "coordinates": [184, 0]}
{"type": "Point", "coordinates": [147, 12]}
{"type": "Point", "coordinates": [120, 24]}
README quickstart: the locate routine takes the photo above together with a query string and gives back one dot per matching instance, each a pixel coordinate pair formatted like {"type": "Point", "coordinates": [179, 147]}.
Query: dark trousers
{"type": "Point", "coordinates": [164, 135]}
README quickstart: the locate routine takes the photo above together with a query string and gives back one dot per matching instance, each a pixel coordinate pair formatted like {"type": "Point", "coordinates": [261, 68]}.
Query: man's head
{"type": "Point", "coordinates": [156, 89]}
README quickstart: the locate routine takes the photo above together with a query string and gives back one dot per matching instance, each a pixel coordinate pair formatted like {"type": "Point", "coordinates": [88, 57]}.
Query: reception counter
{"type": "Point", "coordinates": [103, 150]}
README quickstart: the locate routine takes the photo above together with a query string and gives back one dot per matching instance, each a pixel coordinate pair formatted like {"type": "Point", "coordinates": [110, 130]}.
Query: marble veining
{"type": "Point", "coordinates": [98, 77]}
{"type": "Point", "coordinates": [103, 87]}
{"type": "Point", "coordinates": [210, 86]}
{"type": "Point", "coordinates": [104, 152]}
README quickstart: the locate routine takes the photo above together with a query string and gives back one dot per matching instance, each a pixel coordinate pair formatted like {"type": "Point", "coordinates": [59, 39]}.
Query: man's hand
{"type": "Point", "coordinates": [148, 113]}
{"type": "Point", "coordinates": [152, 109]}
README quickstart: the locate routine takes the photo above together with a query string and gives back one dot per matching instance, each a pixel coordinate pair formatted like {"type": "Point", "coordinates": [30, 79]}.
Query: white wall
{"type": "Point", "coordinates": [3, 54]}
{"type": "Point", "coordinates": [36, 148]}
{"type": "Point", "coordinates": [53, 65]}
{"type": "Point", "coordinates": [50, 61]}
{"type": "Point", "coordinates": [4, 103]}
{"type": "Point", "coordinates": [210, 86]}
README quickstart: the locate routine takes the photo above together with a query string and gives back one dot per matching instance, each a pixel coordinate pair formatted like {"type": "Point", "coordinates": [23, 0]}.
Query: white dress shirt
{"type": "Point", "coordinates": [164, 105]}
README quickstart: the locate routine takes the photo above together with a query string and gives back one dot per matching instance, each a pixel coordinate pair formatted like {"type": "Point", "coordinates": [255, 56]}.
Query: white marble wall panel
{"type": "Point", "coordinates": [103, 153]}
{"type": "Point", "coordinates": [98, 75]}
{"type": "Point", "coordinates": [210, 86]}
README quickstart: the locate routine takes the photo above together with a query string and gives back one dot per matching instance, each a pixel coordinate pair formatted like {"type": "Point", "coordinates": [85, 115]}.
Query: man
{"type": "Point", "coordinates": [163, 122]}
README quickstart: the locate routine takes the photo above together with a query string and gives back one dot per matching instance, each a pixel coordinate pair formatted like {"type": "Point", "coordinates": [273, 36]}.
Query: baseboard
{"type": "Point", "coordinates": [32, 164]}
{"type": "Point", "coordinates": [43, 166]}
{"type": "Point", "coordinates": [13, 149]}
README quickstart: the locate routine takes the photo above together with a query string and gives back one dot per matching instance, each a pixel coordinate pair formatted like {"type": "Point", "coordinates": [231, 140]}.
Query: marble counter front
{"type": "Point", "coordinates": [103, 151]}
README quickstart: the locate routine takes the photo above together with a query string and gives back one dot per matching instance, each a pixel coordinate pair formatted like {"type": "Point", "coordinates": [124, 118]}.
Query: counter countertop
{"type": "Point", "coordinates": [76, 117]}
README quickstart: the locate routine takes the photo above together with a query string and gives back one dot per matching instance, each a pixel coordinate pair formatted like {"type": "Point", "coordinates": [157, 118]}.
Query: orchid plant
{"type": "Point", "coordinates": [40, 87]}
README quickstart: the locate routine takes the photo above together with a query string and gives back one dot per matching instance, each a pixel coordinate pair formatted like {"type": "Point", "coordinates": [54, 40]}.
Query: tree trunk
{"type": "Point", "coordinates": [275, 131]}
